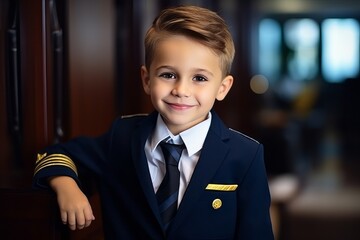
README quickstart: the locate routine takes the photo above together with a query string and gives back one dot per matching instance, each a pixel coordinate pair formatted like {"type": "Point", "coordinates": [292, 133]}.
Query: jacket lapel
{"type": "Point", "coordinates": [138, 154]}
{"type": "Point", "coordinates": [212, 155]}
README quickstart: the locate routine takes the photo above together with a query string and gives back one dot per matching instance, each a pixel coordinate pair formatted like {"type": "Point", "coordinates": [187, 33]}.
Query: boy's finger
{"type": "Point", "coordinates": [80, 220]}
{"type": "Point", "coordinates": [63, 216]}
{"type": "Point", "coordinates": [89, 217]}
{"type": "Point", "coordinates": [71, 221]}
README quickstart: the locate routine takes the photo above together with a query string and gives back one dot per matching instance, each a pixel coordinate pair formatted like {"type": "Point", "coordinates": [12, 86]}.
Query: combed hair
{"type": "Point", "coordinates": [200, 24]}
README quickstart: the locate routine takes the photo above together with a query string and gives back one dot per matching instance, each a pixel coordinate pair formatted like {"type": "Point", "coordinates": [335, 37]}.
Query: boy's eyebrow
{"type": "Point", "coordinates": [195, 69]}
{"type": "Point", "coordinates": [164, 66]}
{"type": "Point", "coordinates": [204, 70]}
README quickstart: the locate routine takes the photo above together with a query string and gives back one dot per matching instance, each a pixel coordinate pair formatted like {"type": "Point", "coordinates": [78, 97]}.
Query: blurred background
{"type": "Point", "coordinates": [68, 68]}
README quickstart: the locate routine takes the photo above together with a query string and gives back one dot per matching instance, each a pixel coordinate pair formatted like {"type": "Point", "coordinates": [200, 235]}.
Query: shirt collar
{"type": "Point", "coordinates": [160, 133]}
{"type": "Point", "coordinates": [193, 138]}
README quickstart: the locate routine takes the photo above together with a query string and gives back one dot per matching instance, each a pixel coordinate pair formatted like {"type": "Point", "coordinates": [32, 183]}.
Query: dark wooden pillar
{"type": "Point", "coordinates": [57, 80]}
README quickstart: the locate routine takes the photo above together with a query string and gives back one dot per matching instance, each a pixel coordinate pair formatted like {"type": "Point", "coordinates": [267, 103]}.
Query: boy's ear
{"type": "Point", "coordinates": [145, 78]}
{"type": "Point", "coordinates": [225, 87]}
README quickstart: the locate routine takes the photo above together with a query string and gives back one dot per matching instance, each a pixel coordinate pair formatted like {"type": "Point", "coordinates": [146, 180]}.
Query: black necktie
{"type": "Point", "coordinates": [167, 194]}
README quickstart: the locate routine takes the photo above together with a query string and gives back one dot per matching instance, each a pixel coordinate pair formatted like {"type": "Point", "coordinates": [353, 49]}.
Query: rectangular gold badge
{"type": "Point", "coordinates": [222, 187]}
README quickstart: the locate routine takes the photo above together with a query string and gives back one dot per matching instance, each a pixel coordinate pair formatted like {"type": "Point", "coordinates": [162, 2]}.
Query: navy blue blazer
{"type": "Point", "coordinates": [227, 197]}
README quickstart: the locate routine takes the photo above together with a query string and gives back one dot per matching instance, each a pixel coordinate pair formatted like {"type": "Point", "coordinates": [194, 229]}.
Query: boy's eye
{"type": "Point", "coordinates": [200, 78]}
{"type": "Point", "coordinates": [167, 75]}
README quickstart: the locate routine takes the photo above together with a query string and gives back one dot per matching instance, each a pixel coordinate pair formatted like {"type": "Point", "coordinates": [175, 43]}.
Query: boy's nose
{"type": "Point", "coordinates": [181, 89]}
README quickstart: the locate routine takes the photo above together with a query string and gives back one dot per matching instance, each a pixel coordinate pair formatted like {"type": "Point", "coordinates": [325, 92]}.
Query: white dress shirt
{"type": "Point", "coordinates": [193, 138]}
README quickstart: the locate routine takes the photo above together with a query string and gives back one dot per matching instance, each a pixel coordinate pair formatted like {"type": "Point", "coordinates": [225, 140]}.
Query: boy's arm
{"type": "Point", "coordinates": [57, 168]}
{"type": "Point", "coordinates": [75, 209]}
{"type": "Point", "coordinates": [60, 168]}
{"type": "Point", "coordinates": [254, 215]}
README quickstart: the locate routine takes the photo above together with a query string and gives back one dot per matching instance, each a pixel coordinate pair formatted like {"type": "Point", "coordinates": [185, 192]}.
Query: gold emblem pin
{"type": "Point", "coordinates": [40, 156]}
{"type": "Point", "coordinates": [217, 203]}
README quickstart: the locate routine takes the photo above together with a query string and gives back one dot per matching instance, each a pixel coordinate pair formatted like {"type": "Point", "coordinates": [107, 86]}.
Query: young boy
{"type": "Point", "coordinates": [222, 192]}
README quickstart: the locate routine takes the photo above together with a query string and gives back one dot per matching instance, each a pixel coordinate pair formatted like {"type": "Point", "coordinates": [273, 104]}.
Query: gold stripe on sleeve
{"type": "Point", "coordinates": [54, 160]}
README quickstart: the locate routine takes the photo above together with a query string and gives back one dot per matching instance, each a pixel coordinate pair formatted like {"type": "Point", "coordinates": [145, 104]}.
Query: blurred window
{"type": "Point", "coordinates": [303, 49]}
{"type": "Point", "coordinates": [270, 49]}
{"type": "Point", "coordinates": [340, 48]}
{"type": "Point", "coordinates": [302, 39]}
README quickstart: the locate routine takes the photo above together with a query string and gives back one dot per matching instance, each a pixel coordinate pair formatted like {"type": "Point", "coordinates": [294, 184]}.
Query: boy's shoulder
{"type": "Point", "coordinates": [132, 119]}
{"type": "Point", "coordinates": [125, 124]}
{"type": "Point", "coordinates": [235, 136]}
{"type": "Point", "coordinates": [134, 116]}
{"type": "Point", "coordinates": [128, 120]}
{"type": "Point", "coordinates": [242, 136]}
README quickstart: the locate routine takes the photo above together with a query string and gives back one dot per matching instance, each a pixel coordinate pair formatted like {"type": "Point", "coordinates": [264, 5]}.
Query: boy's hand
{"type": "Point", "coordinates": [75, 209]}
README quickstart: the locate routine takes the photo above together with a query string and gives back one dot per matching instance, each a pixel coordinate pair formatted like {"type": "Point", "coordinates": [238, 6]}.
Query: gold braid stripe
{"type": "Point", "coordinates": [43, 156]}
{"type": "Point", "coordinates": [51, 159]}
{"type": "Point", "coordinates": [55, 157]}
{"type": "Point", "coordinates": [54, 163]}
{"type": "Point", "coordinates": [222, 187]}
{"type": "Point", "coordinates": [55, 160]}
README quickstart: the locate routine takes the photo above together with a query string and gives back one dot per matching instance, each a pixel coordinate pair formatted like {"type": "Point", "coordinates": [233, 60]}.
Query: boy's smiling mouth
{"type": "Point", "coordinates": [179, 106]}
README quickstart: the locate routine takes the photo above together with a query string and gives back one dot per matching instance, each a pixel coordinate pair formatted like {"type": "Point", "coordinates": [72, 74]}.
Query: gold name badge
{"type": "Point", "coordinates": [222, 187]}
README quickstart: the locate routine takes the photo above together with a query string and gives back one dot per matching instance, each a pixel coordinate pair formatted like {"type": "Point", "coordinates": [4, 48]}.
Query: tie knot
{"type": "Point", "coordinates": [172, 152]}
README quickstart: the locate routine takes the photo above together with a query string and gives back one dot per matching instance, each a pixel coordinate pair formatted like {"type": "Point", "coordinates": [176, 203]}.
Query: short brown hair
{"type": "Point", "coordinates": [200, 24]}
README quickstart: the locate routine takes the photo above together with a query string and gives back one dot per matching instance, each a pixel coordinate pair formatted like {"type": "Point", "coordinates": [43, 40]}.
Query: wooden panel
{"type": "Point", "coordinates": [6, 151]}
{"type": "Point", "coordinates": [36, 84]}
{"type": "Point", "coordinates": [28, 215]}
{"type": "Point", "coordinates": [91, 43]}
{"type": "Point", "coordinates": [20, 141]}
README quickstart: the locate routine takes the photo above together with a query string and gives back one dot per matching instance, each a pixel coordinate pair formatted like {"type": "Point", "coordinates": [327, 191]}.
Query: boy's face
{"type": "Point", "coordinates": [183, 82]}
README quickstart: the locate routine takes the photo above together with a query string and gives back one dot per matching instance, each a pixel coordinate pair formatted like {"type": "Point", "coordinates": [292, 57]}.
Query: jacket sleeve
{"type": "Point", "coordinates": [254, 216]}
{"type": "Point", "coordinates": [81, 156]}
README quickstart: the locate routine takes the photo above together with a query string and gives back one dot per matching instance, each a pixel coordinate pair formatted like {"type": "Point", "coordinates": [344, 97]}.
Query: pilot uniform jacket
{"type": "Point", "coordinates": [227, 198]}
